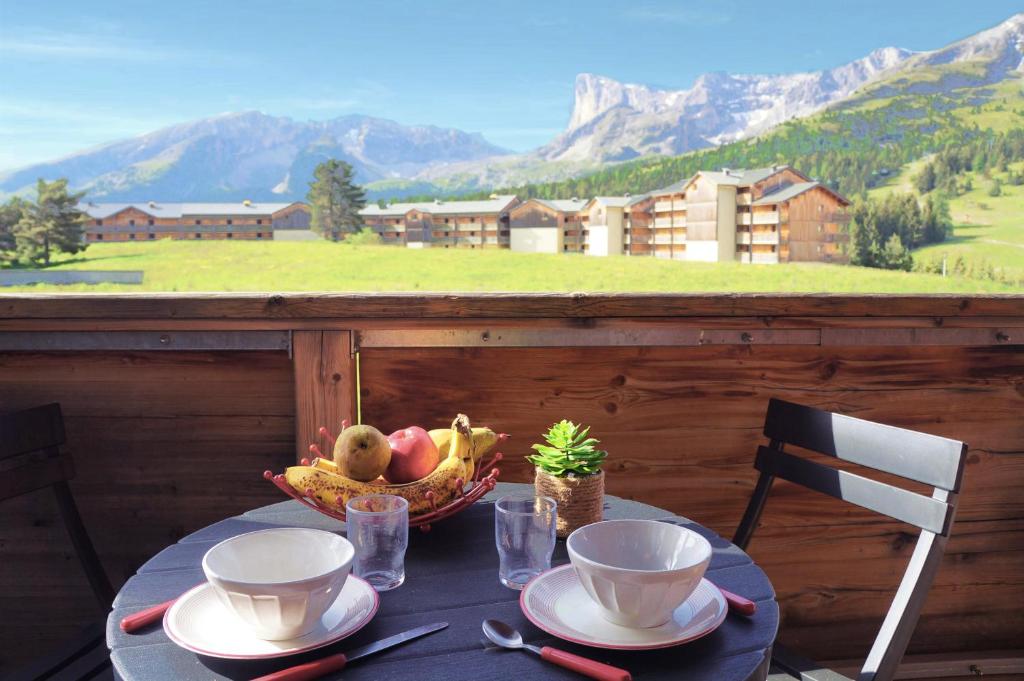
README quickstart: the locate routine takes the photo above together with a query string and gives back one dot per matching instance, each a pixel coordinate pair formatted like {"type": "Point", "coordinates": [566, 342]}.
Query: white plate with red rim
{"type": "Point", "coordinates": [199, 622]}
{"type": "Point", "coordinates": [556, 602]}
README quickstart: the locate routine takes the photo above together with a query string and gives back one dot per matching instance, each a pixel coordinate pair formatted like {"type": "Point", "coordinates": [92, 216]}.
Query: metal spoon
{"type": "Point", "coordinates": [507, 637]}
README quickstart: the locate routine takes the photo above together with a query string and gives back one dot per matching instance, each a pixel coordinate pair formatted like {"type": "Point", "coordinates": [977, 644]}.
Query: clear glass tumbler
{"type": "Point", "coordinates": [524, 531]}
{"type": "Point", "coordinates": [378, 527]}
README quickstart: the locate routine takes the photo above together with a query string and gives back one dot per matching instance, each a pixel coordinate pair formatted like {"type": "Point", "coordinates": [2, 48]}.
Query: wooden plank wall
{"type": "Point", "coordinates": [167, 442]}
{"type": "Point", "coordinates": [682, 426]}
{"type": "Point", "coordinates": [164, 443]}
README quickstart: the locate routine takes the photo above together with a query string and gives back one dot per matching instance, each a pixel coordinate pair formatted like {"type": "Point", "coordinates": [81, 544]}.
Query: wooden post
{"type": "Point", "coordinates": [325, 384]}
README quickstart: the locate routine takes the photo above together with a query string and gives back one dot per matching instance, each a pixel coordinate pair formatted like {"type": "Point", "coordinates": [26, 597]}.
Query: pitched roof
{"type": "Point", "coordinates": [794, 190]}
{"type": "Point", "coordinates": [614, 201]}
{"type": "Point", "coordinates": [99, 211]}
{"type": "Point", "coordinates": [563, 205]}
{"type": "Point", "coordinates": [497, 204]}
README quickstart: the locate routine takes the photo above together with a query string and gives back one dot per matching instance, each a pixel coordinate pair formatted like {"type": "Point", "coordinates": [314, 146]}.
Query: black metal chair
{"type": "Point", "coordinates": [928, 459]}
{"type": "Point", "coordinates": [31, 459]}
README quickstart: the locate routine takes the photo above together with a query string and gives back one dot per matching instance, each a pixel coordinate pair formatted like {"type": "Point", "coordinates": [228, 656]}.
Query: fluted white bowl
{"type": "Point", "coordinates": [279, 581]}
{"type": "Point", "coordinates": [638, 571]}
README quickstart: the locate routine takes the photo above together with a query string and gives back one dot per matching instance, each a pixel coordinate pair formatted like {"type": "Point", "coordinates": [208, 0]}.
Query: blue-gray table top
{"type": "Point", "coordinates": [451, 575]}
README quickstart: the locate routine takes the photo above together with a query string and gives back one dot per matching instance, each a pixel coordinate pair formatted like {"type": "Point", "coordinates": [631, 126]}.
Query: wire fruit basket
{"type": "Point", "coordinates": [466, 493]}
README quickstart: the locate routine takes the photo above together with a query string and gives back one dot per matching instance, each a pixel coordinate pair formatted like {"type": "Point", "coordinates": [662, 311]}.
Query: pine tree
{"type": "Point", "coordinates": [335, 200]}
{"type": "Point", "coordinates": [925, 181]}
{"type": "Point", "coordinates": [10, 215]}
{"type": "Point", "coordinates": [51, 223]}
{"type": "Point", "coordinates": [894, 256]}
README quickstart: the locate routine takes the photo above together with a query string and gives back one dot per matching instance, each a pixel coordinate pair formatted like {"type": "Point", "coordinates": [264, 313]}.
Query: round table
{"type": "Point", "coordinates": [451, 575]}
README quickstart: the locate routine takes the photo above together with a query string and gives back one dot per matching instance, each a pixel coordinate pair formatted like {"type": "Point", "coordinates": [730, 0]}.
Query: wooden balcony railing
{"type": "Point", "coordinates": [175, 404]}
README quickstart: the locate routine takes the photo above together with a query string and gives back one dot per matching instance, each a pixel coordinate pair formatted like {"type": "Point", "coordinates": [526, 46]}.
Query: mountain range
{"type": "Point", "coordinates": [260, 157]}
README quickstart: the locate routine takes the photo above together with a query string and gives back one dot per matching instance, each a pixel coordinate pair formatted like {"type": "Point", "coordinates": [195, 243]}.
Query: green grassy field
{"type": "Point", "coordinates": [987, 228]}
{"type": "Point", "coordinates": [321, 266]}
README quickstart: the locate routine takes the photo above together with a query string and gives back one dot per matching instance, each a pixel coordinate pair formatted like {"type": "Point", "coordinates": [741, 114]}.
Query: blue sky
{"type": "Point", "coordinates": [77, 74]}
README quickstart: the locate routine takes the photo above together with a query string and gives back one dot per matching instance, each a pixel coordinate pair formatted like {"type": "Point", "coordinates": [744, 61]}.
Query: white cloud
{"type": "Point", "coordinates": [42, 43]}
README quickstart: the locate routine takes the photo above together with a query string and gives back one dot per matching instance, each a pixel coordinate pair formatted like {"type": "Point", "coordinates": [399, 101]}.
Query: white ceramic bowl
{"type": "Point", "coordinates": [279, 581]}
{"type": "Point", "coordinates": [638, 571]}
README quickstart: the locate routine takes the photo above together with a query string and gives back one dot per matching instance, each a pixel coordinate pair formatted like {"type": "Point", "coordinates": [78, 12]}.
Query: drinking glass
{"type": "Point", "coordinates": [524, 531]}
{"type": "Point", "coordinates": [378, 527]}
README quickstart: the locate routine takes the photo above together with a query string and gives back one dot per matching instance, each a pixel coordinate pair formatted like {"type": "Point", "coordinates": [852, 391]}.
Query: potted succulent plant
{"type": "Point", "coordinates": [568, 469]}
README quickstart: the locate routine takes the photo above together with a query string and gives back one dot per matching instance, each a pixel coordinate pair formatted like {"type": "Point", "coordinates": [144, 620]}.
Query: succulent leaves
{"type": "Point", "coordinates": [568, 451]}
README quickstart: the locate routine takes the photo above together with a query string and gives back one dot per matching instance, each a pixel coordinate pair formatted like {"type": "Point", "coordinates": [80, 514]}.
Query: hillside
{"type": "Point", "coordinates": [853, 146]}
{"type": "Point", "coordinates": [324, 266]}
{"type": "Point", "coordinates": [989, 230]}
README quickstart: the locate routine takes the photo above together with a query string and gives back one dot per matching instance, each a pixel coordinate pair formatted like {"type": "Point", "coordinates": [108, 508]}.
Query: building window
{"type": "Point", "coordinates": [259, 235]}
{"type": "Point", "coordinates": [99, 237]}
{"type": "Point", "coordinates": [198, 235]}
{"type": "Point", "coordinates": [820, 208]}
{"type": "Point", "coordinates": [131, 223]}
{"type": "Point", "coordinates": [472, 220]}
{"type": "Point", "coordinates": [150, 223]}
{"type": "Point", "coordinates": [229, 221]}
{"type": "Point", "coordinates": [152, 236]}
{"type": "Point", "coordinates": [230, 235]}
{"type": "Point", "coordinates": [820, 227]}
{"type": "Point", "coordinates": [259, 222]}
{"type": "Point", "coordinates": [131, 237]}
{"type": "Point", "coordinates": [99, 223]}
{"type": "Point", "coordinates": [199, 222]}
{"type": "Point", "coordinates": [446, 221]}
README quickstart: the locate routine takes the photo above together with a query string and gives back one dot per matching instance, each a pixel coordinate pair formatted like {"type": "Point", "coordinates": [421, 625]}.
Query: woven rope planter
{"type": "Point", "coordinates": [580, 499]}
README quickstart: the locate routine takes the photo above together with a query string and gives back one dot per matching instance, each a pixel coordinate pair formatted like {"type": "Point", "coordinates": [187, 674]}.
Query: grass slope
{"type": "Point", "coordinates": [322, 266]}
{"type": "Point", "coordinates": [987, 228]}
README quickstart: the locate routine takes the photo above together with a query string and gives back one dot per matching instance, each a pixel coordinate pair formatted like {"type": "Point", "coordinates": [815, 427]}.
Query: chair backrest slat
{"type": "Point", "coordinates": [930, 459]}
{"type": "Point", "coordinates": [31, 430]}
{"type": "Point", "coordinates": [31, 458]}
{"type": "Point", "coordinates": [33, 474]}
{"type": "Point", "coordinates": [903, 505]}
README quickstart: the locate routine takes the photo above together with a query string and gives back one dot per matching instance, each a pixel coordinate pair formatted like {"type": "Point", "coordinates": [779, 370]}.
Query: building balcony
{"type": "Point", "coordinates": [674, 221]}
{"type": "Point", "coordinates": [766, 218]}
{"type": "Point", "coordinates": [688, 377]}
{"type": "Point", "coordinates": [757, 237]}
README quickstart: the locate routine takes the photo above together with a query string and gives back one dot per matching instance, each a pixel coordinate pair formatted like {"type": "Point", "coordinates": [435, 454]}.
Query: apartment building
{"type": "Point", "coordinates": [548, 226]}
{"type": "Point", "coordinates": [763, 215]}
{"type": "Point", "coordinates": [154, 220]}
{"type": "Point", "coordinates": [444, 224]}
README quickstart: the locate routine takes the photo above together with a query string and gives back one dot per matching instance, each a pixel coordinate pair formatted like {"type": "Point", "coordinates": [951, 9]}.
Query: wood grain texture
{"type": "Point", "coordinates": [324, 385]}
{"type": "Point", "coordinates": [485, 305]}
{"type": "Point", "coordinates": [682, 426]}
{"type": "Point", "coordinates": [164, 443]}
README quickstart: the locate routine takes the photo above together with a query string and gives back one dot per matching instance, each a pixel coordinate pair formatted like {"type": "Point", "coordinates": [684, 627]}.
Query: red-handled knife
{"type": "Point", "coordinates": [333, 663]}
{"type": "Point", "coordinates": [135, 621]}
{"type": "Point", "coordinates": [739, 604]}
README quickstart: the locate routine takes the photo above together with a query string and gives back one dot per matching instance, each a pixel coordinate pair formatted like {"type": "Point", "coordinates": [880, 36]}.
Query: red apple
{"type": "Point", "coordinates": [413, 456]}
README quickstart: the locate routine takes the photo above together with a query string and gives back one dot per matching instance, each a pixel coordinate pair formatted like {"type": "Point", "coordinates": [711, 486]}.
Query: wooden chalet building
{"type": "Point", "coordinates": [548, 226]}
{"type": "Point", "coordinates": [444, 224]}
{"type": "Point", "coordinates": [764, 215]}
{"type": "Point", "coordinates": [153, 220]}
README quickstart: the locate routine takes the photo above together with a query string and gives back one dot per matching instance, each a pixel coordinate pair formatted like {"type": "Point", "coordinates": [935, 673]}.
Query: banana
{"type": "Point", "coordinates": [484, 440]}
{"type": "Point", "coordinates": [335, 490]}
